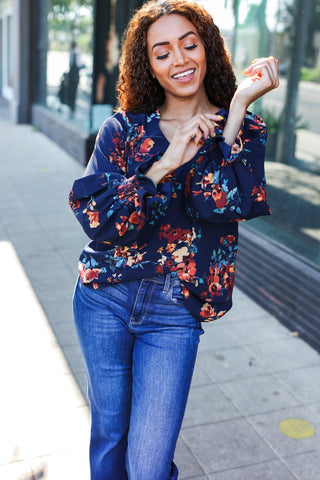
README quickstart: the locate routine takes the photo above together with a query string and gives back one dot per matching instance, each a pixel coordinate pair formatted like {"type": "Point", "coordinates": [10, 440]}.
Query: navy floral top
{"type": "Point", "coordinates": [186, 225]}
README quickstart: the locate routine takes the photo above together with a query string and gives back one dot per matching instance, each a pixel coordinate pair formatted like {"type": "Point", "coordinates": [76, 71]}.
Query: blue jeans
{"type": "Point", "coordinates": [139, 343]}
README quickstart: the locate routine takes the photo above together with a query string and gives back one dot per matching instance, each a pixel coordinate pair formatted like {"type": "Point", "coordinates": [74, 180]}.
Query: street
{"type": "Point", "coordinates": [308, 102]}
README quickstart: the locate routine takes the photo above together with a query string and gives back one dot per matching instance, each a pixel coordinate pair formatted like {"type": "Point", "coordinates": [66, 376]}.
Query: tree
{"type": "Point", "coordinates": [314, 26]}
{"type": "Point", "coordinates": [287, 136]}
{"type": "Point", "coordinates": [67, 4]}
{"type": "Point", "coordinates": [257, 16]}
{"type": "Point", "coordinates": [67, 20]}
{"type": "Point", "coordinates": [235, 9]}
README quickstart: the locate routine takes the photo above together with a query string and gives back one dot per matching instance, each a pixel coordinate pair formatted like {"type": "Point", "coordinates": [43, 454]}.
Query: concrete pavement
{"type": "Point", "coordinates": [254, 406]}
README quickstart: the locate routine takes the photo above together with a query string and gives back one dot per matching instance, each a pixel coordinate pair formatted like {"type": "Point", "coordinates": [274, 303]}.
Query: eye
{"type": "Point", "coordinates": [191, 47]}
{"type": "Point", "coordinates": [164, 55]}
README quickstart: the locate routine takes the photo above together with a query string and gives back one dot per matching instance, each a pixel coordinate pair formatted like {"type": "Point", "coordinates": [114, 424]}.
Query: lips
{"type": "Point", "coordinates": [184, 74]}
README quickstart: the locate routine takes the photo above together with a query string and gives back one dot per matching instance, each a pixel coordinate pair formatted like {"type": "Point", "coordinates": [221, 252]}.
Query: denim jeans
{"type": "Point", "coordinates": [139, 343]}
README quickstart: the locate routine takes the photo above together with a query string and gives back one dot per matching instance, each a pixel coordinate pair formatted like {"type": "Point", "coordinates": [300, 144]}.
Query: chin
{"type": "Point", "coordinates": [187, 93]}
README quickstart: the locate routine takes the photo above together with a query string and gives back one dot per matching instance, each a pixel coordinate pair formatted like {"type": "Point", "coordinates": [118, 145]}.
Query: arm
{"type": "Point", "coordinates": [186, 142]}
{"type": "Point", "coordinates": [228, 184]}
{"type": "Point", "coordinates": [231, 185]}
{"type": "Point", "coordinates": [111, 207]}
{"type": "Point", "coordinates": [262, 76]}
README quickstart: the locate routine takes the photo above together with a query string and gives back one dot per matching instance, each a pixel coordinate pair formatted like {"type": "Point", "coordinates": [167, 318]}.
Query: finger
{"type": "Point", "coordinates": [213, 120]}
{"type": "Point", "coordinates": [270, 63]}
{"type": "Point", "coordinates": [204, 129]}
{"type": "Point", "coordinates": [247, 70]}
{"type": "Point", "coordinates": [197, 138]}
{"type": "Point", "coordinates": [263, 75]}
{"type": "Point", "coordinates": [193, 133]}
{"type": "Point", "coordinates": [255, 63]}
{"type": "Point", "coordinates": [264, 72]}
{"type": "Point", "coordinates": [208, 126]}
{"type": "Point", "coordinates": [202, 125]}
{"type": "Point", "coordinates": [213, 117]}
{"type": "Point", "coordinates": [274, 65]}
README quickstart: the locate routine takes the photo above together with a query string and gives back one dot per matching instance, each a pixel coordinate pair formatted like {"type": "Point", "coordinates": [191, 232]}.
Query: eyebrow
{"type": "Point", "coordinates": [180, 38]}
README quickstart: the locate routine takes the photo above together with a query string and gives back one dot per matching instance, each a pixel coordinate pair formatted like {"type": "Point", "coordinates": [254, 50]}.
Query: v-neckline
{"type": "Point", "coordinates": [158, 117]}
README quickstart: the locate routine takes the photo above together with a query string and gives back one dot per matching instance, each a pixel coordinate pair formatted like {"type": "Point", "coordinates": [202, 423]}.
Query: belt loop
{"type": "Point", "coordinates": [167, 283]}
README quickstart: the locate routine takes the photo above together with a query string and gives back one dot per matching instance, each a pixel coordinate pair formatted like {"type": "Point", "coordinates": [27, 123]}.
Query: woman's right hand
{"type": "Point", "coordinates": [186, 141]}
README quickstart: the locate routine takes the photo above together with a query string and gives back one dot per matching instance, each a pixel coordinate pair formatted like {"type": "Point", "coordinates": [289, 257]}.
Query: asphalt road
{"type": "Point", "coordinates": [308, 102]}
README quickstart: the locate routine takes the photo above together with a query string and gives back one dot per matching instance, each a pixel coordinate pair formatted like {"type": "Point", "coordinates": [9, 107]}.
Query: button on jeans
{"type": "Point", "coordinates": [139, 343]}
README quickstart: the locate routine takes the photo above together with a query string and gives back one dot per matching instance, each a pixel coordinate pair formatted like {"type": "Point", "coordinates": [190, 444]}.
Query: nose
{"type": "Point", "coordinates": [179, 57]}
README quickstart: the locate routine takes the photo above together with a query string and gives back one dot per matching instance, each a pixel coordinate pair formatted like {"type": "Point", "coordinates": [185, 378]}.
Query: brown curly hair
{"type": "Point", "coordinates": [138, 91]}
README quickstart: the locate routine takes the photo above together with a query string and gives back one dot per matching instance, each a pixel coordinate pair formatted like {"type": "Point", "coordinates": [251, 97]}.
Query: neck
{"type": "Point", "coordinates": [185, 108]}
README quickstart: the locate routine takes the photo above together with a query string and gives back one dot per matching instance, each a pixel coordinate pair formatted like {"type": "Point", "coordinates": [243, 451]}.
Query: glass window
{"type": "Point", "coordinates": [9, 53]}
{"type": "Point", "coordinates": [6, 52]}
{"type": "Point", "coordinates": [258, 28]}
{"type": "Point", "coordinates": [69, 60]}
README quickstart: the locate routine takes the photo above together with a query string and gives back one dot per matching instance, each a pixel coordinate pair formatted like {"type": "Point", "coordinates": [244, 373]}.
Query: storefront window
{"type": "Point", "coordinates": [9, 52]}
{"type": "Point", "coordinates": [255, 28]}
{"type": "Point", "coordinates": [6, 50]}
{"type": "Point", "coordinates": [70, 60]}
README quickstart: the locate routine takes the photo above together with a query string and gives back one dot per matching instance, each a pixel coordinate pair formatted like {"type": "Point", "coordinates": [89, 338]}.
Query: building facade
{"type": "Point", "coordinates": [6, 49]}
{"type": "Point", "coordinates": [58, 65]}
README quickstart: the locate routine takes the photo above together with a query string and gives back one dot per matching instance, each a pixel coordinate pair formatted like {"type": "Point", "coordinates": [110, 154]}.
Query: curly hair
{"type": "Point", "coordinates": [138, 91]}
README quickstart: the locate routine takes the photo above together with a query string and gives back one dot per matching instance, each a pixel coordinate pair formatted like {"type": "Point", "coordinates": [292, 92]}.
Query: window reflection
{"type": "Point", "coordinates": [69, 60]}
{"type": "Point", "coordinates": [290, 31]}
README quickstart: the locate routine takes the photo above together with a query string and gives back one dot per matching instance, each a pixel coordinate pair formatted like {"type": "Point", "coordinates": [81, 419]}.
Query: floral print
{"type": "Point", "coordinates": [187, 225]}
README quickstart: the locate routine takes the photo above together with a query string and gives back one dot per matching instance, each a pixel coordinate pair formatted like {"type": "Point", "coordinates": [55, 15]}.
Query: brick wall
{"type": "Point", "coordinates": [78, 144]}
{"type": "Point", "coordinates": [285, 285]}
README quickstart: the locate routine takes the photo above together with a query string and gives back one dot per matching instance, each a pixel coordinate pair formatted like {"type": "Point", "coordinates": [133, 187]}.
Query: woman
{"type": "Point", "coordinates": [171, 174]}
{"type": "Point", "coordinates": [73, 76]}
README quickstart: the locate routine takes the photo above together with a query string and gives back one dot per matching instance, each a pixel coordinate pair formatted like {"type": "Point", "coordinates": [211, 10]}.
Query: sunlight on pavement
{"type": "Point", "coordinates": [44, 418]}
{"type": "Point", "coordinates": [312, 232]}
{"type": "Point", "coordinates": [292, 180]}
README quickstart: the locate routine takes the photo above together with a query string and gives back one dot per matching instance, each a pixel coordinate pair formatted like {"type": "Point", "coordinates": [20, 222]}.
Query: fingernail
{"type": "Point", "coordinates": [271, 57]}
{"type": "Point", "coordinates": [244, 72]}
{"type": "Point", "coordinates": [220, 116]}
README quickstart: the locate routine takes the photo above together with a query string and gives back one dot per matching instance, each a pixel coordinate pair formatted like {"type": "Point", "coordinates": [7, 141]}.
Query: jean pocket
{"type": "Point", "coordinates": [174, 295]}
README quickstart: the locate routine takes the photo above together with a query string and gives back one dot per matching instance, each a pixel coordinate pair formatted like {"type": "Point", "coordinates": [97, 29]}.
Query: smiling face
{"type": "Point", "coordinates": [177, 56]}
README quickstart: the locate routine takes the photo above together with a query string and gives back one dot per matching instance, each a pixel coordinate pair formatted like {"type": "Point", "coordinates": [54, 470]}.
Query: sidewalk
{"type": "Point", "coordinates": [254, 406]}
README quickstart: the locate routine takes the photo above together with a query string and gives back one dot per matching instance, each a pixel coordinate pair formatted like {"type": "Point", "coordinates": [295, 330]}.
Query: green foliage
{"type": "Point", "coordinates": [314, 26]}
{"type": "Point", "coordinates": [310, 74]}
{"type": "Point", "coordinates": [286, 16]}
{"type": "Point", "coordinates": [273, 121]}
{"type": "Point", "coordinates": [70, 20]}
{"type": "Point", "coordinates": [68, 4]}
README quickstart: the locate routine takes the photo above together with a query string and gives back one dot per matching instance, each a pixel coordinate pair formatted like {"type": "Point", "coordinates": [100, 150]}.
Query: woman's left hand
{"type": "Point", "coordinates": [262, 76]}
